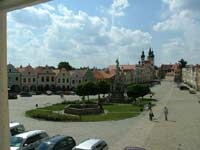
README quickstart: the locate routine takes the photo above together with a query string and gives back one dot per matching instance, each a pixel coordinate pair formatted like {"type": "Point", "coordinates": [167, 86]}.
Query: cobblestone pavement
{"type": "Point", "coordinates": [181, 132]}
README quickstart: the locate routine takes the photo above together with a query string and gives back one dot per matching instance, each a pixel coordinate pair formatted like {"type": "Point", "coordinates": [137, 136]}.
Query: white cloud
{"type": "Point", "coordinates": [176, 22]}
{"type": "Point", "coordinates": [184, 21]}
{"type": "Point", "coordinates": [176, 5]}
{"type": "Point", "coordinates": [118, 6]}
{"type": "Point", "coordinates": [32, 17]}
{"type": "Point", "coordinates": [79, 38]}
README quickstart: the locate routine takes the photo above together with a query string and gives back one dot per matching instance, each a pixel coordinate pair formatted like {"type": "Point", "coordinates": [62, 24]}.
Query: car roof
{"type": "Point", "coordinates": [56, 138]}
{"type": "Point", "coordinates": [27, 134]}
{"type": "Point", "coordinates": [88, 144]}
{"type": "Point", "coordinates": [14, 124]}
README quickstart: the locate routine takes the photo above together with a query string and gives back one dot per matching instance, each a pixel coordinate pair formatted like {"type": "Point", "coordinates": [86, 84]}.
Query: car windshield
{"type": "Point", "coordinates": [45, 146]}
{"type": "Point", "coordinates": [15, 141]}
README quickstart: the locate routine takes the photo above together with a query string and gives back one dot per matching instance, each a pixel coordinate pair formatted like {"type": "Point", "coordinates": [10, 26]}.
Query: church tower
{"type": "Point", "coordinates": [151, 56]}
{"type": "Point", "coordinates": [142, 58]}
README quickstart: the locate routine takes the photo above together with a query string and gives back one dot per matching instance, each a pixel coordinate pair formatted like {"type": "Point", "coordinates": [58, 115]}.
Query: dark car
{"type": "Point", "coordinates": [12, 95]}
{"type": "Point", "coordinates": [58, 142]}
{"type": "Point", "coordinates": [183, 87]}
{"type": "Point", "coordinates": [192, 91]}
{"type": "Point", "coordinates": [25, 94]}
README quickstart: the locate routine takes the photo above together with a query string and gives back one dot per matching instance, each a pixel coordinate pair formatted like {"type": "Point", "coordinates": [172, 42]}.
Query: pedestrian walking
{"type": "Point", "coordinates": [151, 115]}
{"type": "Point", "coordinates": [61, 95]}
{"type": "Point", "coordinates": [166, 113]}
{"type": "Point", "coordinates": [149, 106]}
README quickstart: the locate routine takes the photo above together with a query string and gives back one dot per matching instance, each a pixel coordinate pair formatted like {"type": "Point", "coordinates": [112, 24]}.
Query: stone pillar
{"type": "Point", "coordinates": [4, 113]}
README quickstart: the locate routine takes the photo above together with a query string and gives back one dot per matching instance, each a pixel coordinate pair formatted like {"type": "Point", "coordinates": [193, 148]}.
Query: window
{"type": "Point", "coordinates": [29, 73]}
{"type": "Point", "coordinates": [33, 79]}
{"type": "Point", "coordinates": [29, 80]}
{"type": "Point", "coordinates": [17, 78]}
{"type": "Point", "coordinates": [63, 74]}
{"type": "Point", "coordinates": [73, 81]}
{"type": "Point", "coordinates": [67, 80]}
{"type": "Point", "coordinates": [47, 78]}
{"type": "Point", "coordinates": [63, 80]}
{"type": "Point", "coordinates": [24, 80]}
{"type": "Point", "coordinates": [79, 81]}
{"type": "Point", "coordinates": [42, 79]}
{"type": "Point", "coordinates": [61, 145]}
{"type": "Point", "coordinates": [70, 141]}
{"type": "Point", "coordinates": [10, 70]}
{"type": "Point", "coordinates": [52, 79]}
{"type": "Point", "coordinates": [58, 80]}
{"type": "Point", "coordinates": [17, 130]}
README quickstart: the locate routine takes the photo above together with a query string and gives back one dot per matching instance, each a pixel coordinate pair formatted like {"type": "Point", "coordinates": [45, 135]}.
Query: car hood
{"type": "Point", "coordinates": [14, 148]}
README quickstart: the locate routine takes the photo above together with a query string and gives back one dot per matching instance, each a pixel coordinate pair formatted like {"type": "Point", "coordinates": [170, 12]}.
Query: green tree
{"type": "Point", "coordinates": [87, 89]}
{"type": "Point", "coordinates": [90, 88]}
{"type": "Point", "coordinates": [80, 91]}
{"type": "Point", "coordinates": [65, 65]}
{"type": "Point", "coordinates": [183, 63]}
{"type": "Point", "coordinates": [137, 90]}
{"type": "Point", "coordinates": [103, 87]}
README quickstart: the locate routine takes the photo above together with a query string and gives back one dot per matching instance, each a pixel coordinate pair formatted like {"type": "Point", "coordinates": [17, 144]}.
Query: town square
{"type": "Point", "coordinates": [99, 75]}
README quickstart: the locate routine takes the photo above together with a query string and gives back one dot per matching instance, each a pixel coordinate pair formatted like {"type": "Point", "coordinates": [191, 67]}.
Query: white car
{"type": "Point", "coordinates": [16, 128]}
{"type": "Point", "coordinates": [28, 140]}
{"type": "Point", "coordinates": [92, 144]}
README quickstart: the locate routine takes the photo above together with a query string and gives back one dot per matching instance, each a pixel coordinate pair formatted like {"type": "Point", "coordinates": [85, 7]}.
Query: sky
{"type": "Point", "coordinates": [97, 32]}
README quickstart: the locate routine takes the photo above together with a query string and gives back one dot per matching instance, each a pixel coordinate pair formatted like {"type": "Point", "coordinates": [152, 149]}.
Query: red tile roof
{"type": "Point", "coordinates": [112, 68]}
{"type": "Point", "coordinates": [102, 75]}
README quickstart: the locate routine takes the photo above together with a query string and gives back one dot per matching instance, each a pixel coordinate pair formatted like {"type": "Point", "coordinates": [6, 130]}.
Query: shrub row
{"type": "Point", "coordinates": [51, 116]}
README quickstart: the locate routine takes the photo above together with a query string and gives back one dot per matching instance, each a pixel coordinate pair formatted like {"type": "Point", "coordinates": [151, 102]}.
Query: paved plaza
{"type": "Point", "coordinates": [181, 132]}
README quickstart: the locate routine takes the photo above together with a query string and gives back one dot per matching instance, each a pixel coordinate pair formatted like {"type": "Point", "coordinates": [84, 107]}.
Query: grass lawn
{"type": "Point", "coordinates": [112, 112]}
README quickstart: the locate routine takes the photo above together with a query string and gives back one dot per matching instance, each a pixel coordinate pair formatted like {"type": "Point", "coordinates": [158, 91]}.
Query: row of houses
{"type": "Point", "coordinates": [170, 72]}
{"type": "Point", "coordinates": [191, 76]}
{"type": "Point", "coordinates": [47, 78]}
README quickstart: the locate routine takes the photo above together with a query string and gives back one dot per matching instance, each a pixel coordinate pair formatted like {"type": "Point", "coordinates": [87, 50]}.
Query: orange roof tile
{"type": "Point", "coordinates": [102, 75]}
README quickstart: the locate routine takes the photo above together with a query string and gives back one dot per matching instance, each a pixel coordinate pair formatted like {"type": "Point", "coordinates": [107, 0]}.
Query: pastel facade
{"type": "Point", "coordinates": [28, 78]}
{"type": "Point", "coordinates": [191, 76]}
{"type": "Point", "coordinates": [62, 80]}
{"type": "Point", "coordinates": [14, 78]}
{"type": "Point", "coordinates": [45, 78]}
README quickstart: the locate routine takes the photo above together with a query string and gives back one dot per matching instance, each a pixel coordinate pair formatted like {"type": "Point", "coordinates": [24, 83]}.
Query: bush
{"type": "Point", "coordinates": [51, 116]}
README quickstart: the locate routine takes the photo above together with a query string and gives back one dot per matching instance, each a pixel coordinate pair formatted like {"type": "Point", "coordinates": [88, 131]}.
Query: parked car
{"type": "Point", "coordinates": [92, 144]}
{"type": "Point", "coordinates": [192, 91]}
{"type": "Point", "coordinates": [16, 128]}
{"type": "Point", "coordinates": [58, 92]}
{"type": "Point", "coordinates": [183, 87]}
{"type": "Point", "coordinates": [32, 93]}
{"type": "Point", "coordinates": [12, 95]}
{"type": "Point", "coordinates": [25, 94]}
{"type": "Point", "coordinates": [38, 92]}
{"type": "Point", "coordinates": [58, 142]}
{"type": "Point", "coordinates": [49, 92]}
{"type": "Point", "coordinates": [28, 140]}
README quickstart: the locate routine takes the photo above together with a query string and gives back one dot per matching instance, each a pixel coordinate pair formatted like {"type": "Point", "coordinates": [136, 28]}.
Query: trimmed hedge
{"type": "Point", "coordinates": [51, 116]}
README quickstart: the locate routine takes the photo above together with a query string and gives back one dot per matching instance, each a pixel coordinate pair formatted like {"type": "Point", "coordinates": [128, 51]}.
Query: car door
{"type": "Point", "coordinates": [59, 146]}
{"type": "Point", "coordinates": [29, 143]}
{"type": "Point", "coordinates": [64, 144]}
{"type": "Point", "coordinates": [101, 146]}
